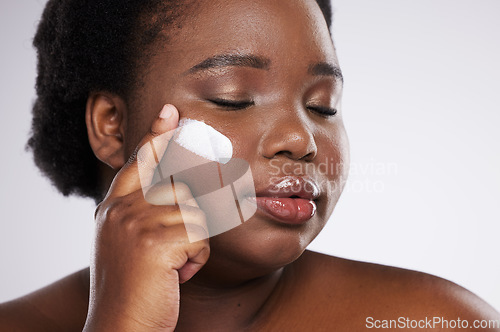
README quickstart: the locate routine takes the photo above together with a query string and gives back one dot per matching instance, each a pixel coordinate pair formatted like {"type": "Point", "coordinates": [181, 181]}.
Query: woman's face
{"type": "Point", "coordinates": [276, 61]}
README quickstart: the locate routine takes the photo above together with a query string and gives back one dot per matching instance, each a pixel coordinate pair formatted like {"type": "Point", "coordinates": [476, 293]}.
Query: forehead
{"type": "Point", "coordinates": [285, 29]}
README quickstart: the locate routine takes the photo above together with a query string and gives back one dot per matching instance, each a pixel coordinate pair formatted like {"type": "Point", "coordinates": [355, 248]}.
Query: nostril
{"type": "Point", "coordinates": [292, 139]}
{"type": "Point", "coordinates": [310, 156]}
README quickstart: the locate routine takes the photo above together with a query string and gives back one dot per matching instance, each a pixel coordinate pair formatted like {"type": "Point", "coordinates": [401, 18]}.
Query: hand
{"type": "Point", "coordinates": [141, 251]}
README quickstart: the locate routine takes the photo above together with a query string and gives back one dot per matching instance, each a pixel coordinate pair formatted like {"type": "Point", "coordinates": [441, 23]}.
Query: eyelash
{"type": "Point", "coordinates": [239, 105]}
{"type": "Point", "coordinates": [324, 111]}
{"type": "Point", "coordinates": [232, 104]}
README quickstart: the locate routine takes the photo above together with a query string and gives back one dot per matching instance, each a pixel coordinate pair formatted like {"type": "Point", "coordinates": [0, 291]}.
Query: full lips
{"type": "Point", "coordinates": [288, 210]}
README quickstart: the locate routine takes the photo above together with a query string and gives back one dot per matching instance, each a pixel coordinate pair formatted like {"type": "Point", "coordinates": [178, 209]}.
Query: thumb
{"type": "Point", "coordinates": [141, 165]}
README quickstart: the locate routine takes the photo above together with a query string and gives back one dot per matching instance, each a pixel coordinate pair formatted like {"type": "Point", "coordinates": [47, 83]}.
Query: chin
{"type": "Point", "coordinates": [259, 247]}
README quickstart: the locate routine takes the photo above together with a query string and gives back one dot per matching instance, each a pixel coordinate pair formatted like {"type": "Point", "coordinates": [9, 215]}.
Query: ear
{"type": "Point", "coordinates": [105, 117]}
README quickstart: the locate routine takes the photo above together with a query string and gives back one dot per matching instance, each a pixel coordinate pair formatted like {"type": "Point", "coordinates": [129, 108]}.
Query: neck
{"type": "Point", "coordinates": [230, 308]}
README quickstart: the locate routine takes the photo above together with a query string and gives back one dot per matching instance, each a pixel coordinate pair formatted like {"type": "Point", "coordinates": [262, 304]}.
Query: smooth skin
{"type": "Point", "coordinates": [258, 276]}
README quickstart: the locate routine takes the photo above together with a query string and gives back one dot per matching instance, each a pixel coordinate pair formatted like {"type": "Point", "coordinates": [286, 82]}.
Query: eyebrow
{"type": "Point", "coordinates": [326, 69]}
{"type": "Point", "coordinates": [260, 62]}
{"type": "Point", "coordinates": [238, 60]}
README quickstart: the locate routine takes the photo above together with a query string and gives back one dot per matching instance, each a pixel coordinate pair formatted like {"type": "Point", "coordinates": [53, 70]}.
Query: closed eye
{"type": "Point", "coordinates": [232, 104]}
{"type": "Point", "coordinates": [324, 111]}
{"type": "Point", "coordinates": [242, 104]}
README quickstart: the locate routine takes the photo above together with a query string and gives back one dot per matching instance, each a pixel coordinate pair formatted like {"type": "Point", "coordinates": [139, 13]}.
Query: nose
{"type": "Point", "coordinates": [290, 136]}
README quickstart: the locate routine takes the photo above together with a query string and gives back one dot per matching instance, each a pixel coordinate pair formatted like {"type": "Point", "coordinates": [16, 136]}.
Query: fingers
{"type": "Point", "coordinates": [169, 225]}
{"type": "Point", "coordinates": [182, 224]}
{"type": "Point", "coordinates": [141, 253]}
{"type": "Point", "coordinates": [167, 192]}
{"type": "Point", "coordinates": [139, 170]}
{"type": "Point", "coordinates": [193, 219]}
{"type": "Point", "coordinates": [194, 264]}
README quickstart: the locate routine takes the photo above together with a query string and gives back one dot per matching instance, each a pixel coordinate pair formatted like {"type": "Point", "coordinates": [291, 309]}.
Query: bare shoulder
{"type": "Point", "coordinates": [368, 294]}
{"type": "Point", "coordinates": [60, 306]}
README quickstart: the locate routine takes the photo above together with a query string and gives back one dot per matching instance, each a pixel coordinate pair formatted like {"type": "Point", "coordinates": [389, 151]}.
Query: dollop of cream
{"type": "Point", "coordinates": [204, 140]}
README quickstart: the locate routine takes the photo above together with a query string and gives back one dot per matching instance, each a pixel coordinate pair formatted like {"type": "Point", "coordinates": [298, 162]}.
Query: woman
{"type": "Point", "coordinates": [265, 75]}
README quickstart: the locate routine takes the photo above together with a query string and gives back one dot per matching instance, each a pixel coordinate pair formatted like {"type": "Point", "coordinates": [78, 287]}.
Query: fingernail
{"type": "Point", "coordinates": [167, 112]}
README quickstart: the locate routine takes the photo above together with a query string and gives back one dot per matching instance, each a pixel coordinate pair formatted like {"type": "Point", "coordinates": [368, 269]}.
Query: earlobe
{"type": "Point", "coordinates": [105, 117]}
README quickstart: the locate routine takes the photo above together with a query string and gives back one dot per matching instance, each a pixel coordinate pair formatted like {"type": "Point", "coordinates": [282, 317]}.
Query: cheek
{"type": "Point", "coordinates": [333, 160]}
{"type": "Point", "coordinates": [138, 125]}
{"type": "Point", "coordinates": [231, 124]}
{"type": "Point", "coordinates": [243, 136]}
{"type": "Point", "coordinates": [343, 153]}
{"type": "Point", "coordinates": [244, 144]}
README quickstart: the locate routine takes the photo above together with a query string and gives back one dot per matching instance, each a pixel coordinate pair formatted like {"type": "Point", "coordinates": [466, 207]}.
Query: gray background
{"type": "Point", "coordinates": [422, 112]}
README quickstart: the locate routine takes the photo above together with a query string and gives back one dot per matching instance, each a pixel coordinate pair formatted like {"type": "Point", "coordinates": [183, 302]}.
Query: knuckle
{"type": "Point", "coordinates": [166, 215]}
{"type": "Point", "coordinates": [115, 210]}
{"type": "Point", "coordinates": [204, 249]}
{"type": "Point", "coordinates": [97, 210]}
{"type": "Point", "coordinates": [183, 192]}
{"type": "Point", "coordinates": [200, 216]}
{"type": "Point", "coordinates": [191, 214]}
{"type": "Point", "coordinates": [160, 194]}
{"type": "Point", "coordinates": [130, 225]}
{"type": "Point", "coordinates": [196, 233]}
{"type": "Point", "coordinates": [161, 237]}
{"type": "Point", "coordinates": [109, 211]}
{"type": "Point", "coordinates": [181, 187]}
{"type": "Point", "coordinates": [154, 133]}
{"type": "Point", "coordinates": [147, 241]}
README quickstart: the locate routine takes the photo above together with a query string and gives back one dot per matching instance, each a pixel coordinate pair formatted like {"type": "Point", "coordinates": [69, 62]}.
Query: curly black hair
{"type": "Point", "coordinates": [85, 46]}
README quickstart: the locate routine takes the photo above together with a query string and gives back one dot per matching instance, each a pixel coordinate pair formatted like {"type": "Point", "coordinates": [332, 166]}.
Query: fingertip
{"type": "Point", "coordinates": [168, 111]}
{"type": "Point", "coordinates": [168, 119]}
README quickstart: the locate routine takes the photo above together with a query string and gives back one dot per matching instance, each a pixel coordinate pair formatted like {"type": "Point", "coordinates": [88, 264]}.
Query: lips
{"type": "Point", "coordinates": [289, 200]}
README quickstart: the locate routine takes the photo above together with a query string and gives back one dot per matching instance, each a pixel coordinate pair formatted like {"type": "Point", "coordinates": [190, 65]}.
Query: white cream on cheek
{"type": "Point", "coordinates": [204, 140]}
